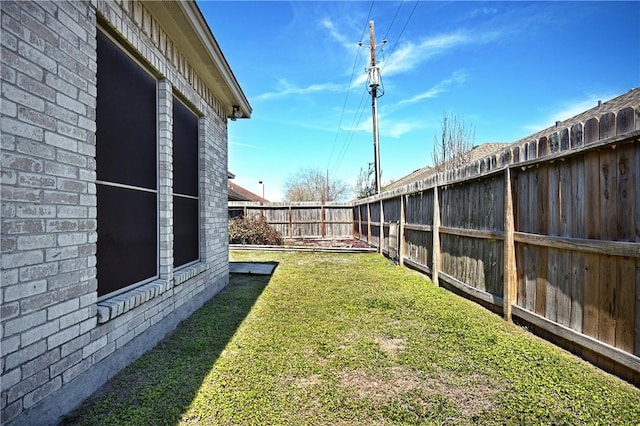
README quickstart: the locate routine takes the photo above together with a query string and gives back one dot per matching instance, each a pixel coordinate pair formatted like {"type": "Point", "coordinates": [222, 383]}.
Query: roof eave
{"type": "Point", "coordinates": [196, 41]}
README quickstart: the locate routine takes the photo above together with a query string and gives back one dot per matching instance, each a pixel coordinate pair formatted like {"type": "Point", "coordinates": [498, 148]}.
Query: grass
{"type": "Point", "coordinates": [334, 339]}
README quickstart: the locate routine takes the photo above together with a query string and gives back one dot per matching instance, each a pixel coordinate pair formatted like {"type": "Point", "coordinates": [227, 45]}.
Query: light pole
{"type": "Point", "coordinates": [261, 183]}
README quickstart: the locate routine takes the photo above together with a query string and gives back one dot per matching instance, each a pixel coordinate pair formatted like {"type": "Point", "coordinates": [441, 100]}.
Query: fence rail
{"type": "Point", "coordinates": [546, 232]}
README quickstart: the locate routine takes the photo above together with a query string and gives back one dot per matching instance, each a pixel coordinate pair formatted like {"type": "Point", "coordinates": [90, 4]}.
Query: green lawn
{"type": "Point", "coordinates": [336, 339]}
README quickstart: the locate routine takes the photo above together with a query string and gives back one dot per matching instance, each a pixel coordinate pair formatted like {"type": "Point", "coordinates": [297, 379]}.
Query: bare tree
{"type": "Point", "coordinates": [456, 140]}
{"type": "Point", "coordinates": [314, 185]}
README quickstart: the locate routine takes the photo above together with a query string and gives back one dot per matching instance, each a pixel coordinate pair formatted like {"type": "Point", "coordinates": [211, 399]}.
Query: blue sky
{"type": "Point", "coordinates": [507, 68]}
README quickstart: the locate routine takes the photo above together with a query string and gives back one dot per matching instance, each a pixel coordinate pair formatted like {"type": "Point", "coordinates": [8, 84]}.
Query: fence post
{"type": "Point", "coordinates": [436, 238]}
{"type": "Point", "coordinates": [290, 222]}
{"type": "Point", "coordinates": [381, 232]}
{"type": "Point", "coordinates": [353, 224]}
{"type": "Point", "coordinates": [401, 232]}
{"type": "Point", "coordinates": [509, 281]}
{"type": "Point", "coordinates": [368, 222]}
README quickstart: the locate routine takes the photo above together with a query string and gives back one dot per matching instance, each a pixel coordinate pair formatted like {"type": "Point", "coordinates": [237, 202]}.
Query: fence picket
{"type": "Point", "coordinates": [519, 208]}
{"type": "Point", "coordinates": [576, 135]}
{"type": "Point", "coordinates": [626, 226]}
{"type": "Point", "coordinates": [553, 254]}
{"type": "Point", "coordinates": [591, 309]}
{"type": "Point", "coordinates": [565, 274]}
{"type": "Point", "coordinates": [577, 230]}
{"type": "Point", "coordinates": [592, 130]}
{"type": "Point", "coordinates": [608, 264]}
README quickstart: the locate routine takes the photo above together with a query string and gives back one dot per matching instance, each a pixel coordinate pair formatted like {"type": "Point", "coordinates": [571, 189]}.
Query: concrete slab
{"type": "Point", "coordinates": [252, 268]}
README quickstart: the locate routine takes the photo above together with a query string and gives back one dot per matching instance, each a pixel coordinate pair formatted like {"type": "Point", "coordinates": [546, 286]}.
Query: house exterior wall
{"type": "Point", "coordinates": [59, 343]}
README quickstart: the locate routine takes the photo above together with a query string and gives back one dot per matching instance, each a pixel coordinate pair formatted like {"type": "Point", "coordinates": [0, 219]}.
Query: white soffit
{"type": "Point", "coordinates": [187, 28]}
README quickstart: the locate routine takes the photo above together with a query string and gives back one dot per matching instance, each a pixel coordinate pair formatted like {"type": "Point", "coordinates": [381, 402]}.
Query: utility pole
{"type": "Point", "coordinates": [327, 191]}
{"type": "Point", "coordinates": [374, 83]}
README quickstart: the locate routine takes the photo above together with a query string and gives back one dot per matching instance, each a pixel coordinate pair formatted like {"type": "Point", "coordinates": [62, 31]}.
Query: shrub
{"type": "Point", "coordinates": [246, 230]}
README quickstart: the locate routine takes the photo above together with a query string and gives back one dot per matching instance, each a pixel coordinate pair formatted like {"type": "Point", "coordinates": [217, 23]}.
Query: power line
{"type": "Point", "coordinates": [344, 105]}
{"type": "Point", "coordinates": [393, 20]}
{"type": "Point", "coordinates": [360, 110]}
{"type": "Point", "coordinates": [356, 118]}
{"type": "Point", "coordinates": [364, 29]}
{"type": "Point", "coordinates": [393, 49]}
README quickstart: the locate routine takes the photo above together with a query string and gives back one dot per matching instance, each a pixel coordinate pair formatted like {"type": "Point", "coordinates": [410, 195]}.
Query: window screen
{"type": "Point", "coordinates": [125, 118]}
{"type": "Point", "coordinates": [126, 170]}
{"type": "Point", "coordinates": [186, 219]}
{"type": "Point", "coordinates": [127, 229]}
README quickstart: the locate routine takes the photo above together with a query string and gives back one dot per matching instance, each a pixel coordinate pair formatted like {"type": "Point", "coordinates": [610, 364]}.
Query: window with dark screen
{"type": "Point", "coordinates": [186, 217]}
{"type": "Point", "coordinates": [126, 167]}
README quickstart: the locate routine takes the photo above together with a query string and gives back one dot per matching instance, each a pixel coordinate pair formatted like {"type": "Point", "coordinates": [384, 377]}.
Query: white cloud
{"type": "Point", "coordinates": [457, 78]}
{"type": "Point", "coordinates": [392, 128]}
{"type": "Point", "coordinates": [246, 145]}
{"type": "Point", "coordinates": [482, 12]}
{"type": "Point", "coordinates": [327, 24]}
{"type": "Point", "coordinates": [396, 129]}
{"type": "Point", "coordinates": [287, 89]}
{"type": "Point", "coordinates": [364, 125]}
{"type": "Point", "coordinates": [410, 55]}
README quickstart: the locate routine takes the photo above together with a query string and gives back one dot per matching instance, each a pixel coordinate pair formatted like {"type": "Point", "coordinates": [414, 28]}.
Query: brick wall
{"type": "Point", "coordinates": [58, 342]}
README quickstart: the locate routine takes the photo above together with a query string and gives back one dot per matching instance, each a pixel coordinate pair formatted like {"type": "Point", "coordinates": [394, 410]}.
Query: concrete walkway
{"type": "Point", "coordinates": [252, 268]}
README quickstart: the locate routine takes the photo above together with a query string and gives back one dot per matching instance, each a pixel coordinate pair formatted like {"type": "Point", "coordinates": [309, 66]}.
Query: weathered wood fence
{"type": "Point", "coordinates": [546, 232]}
{"type": "Point", "coordinates": [301, 220]}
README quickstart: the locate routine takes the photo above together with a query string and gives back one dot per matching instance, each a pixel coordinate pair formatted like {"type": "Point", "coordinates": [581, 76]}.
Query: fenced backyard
{"type": "Point", "coordinates": [546, 232]}
{"type": "Point", "coordinates": [335, 339]}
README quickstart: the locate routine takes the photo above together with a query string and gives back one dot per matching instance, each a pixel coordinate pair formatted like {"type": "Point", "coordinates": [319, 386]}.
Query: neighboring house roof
{"type": "Point", "coordinates": [628, 99]}
{"type": "Point", "coordinates": [238, 193]}
{"type": "Point", "coordinates": [631, 98]}
{"type": "Point", "coordinates": [476, 153]}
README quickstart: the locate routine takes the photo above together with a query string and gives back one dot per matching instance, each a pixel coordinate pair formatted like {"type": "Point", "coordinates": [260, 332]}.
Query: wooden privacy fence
{"type": "Point", "coordinates": [301, 220]}
{"type": "Point", "coordinates": [547, 231]}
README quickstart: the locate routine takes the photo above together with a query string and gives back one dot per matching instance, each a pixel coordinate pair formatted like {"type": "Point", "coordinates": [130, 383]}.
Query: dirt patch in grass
{"type": "Point", "coordinates": [379, 388]}
{"type": "Point", "coordinates": [312, 380]}
{"type": "Point", "coordinates": [471, 395]}
{"type": "Point", "coordinates": [391, 346]}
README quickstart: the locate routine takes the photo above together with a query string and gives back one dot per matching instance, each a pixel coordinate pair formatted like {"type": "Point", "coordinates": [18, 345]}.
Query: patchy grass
{"type": "Point", "coordinates": [336, 339]}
